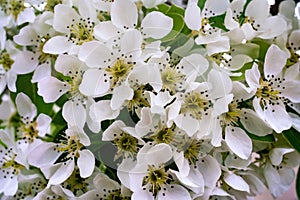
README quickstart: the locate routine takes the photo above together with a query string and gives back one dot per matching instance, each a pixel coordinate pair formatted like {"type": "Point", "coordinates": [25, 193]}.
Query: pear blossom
{"type": "Point", "coordinates": [106, 188]}
{"type": "Point", "coordinates": [198, 21]}
{"type": "Point", "coordinates": [77, 27]}
{"type": "Point", "coordinates": [16, 12]}
{"type": "Point", "coordinates": [56, 169]}
{"type": "Point", "coordinates": [150, 173]}
{"type": "Point", "coordinates": [274, 91]}
{"type": "Point", "coordinates": [13, 161]}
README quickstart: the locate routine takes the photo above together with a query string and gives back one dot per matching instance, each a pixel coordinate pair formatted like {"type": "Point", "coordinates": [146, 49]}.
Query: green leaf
{"type": "Point", "coordinates": [164, 8]}
{"type": "Point", "coordinates": [176, 9]}
{"type": "Point", "coordinates": [178, 24]}
{"type": "Point", "coordinates": [292, 136]}
{"type": "Point", "coordinates": [201, 4]}
{"type": "Point", "coordinates": [298, 183]}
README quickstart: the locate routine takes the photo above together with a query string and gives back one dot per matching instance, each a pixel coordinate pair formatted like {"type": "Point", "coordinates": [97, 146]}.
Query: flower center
{"type": "Point", "coordinates": [8, 165]}
{"type": "Point", "coordinates": [164, 135]}
{"type": "Point", "coordinates": [28, 131]}
{"type": "Point", "coordinates": [69, 145]}
{"type": "Point", "coordinates": [267, 93]}
{"type": "Point", "coordinates": [171, 78]}
{"type": "Point", "coordinates": [156, 178]}
{"type": "Point", "coordinates": [73, 80]}
{"type": "Point", "coordinates": [191, 150]}
{"type": "Point", "coordinates": [81, 32]}
{"type": "Point", "coordinates": [76, 183]}
{"type": "Point", "coordinates": [139, 99]}
{"type": "Point", "coordinates": [5, 61]}
{"type": "Point", "coordinates": [127, 145]}
{"type": "Point", "coordinates": [195, 104]}
{"type": "Point", "coordinates": [51, 4]}
{"type": "Point", "coordinates": [232, 116]}
{"type": "Point", "coordinates": [119, 71]}
{"type": "Point", "coordinates": [13, 7]}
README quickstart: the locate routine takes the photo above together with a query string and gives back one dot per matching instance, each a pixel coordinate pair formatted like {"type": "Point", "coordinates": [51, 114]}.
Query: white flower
{"type": "Point", "coordinates": [12, 161]}
{"type": "Point", "coordinates": [46, 155]}
{"type": "Point", "coordinates": [150, 173]}
{"type": "Point", "coordinates": [16, 12]}
{"type": "Point", "coordinates": [12, 63]}
{"type": "Point", "coordinates": [77, 27]}
{"type": "Point", "coordinates": [106, 188]}
{"type": "Point", "coordinates": [198, 21]}
{"type": "Point", "coordinates": [124, 138]}
{"type": "Point", "coordinates": [273, 91]}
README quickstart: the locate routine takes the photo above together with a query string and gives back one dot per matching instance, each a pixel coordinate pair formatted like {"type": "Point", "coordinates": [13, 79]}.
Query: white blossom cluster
{"type": "Point", "coordinates": [140, 99]}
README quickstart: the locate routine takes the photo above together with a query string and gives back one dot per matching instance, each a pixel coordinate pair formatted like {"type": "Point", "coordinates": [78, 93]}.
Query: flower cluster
{"type": "Point", "coordinates": [143, 99]}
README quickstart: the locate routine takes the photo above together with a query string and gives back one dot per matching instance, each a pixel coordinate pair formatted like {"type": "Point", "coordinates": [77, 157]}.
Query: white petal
{"type": "Point", "coordinates": [229, 22]}
{"type": "Point", "coordinates": [156, 25]}
{"type": "Point", "coordinates": [26, 36]}
{"type": "Point", "coordinates": [94, 83]}
{"type": "Point", "coordinates": [86, 163]}
{"type": "Point", "coordinates": [254, 124]}
{"type": "Point", "coordinates": [258, 9]}
{"type": "Point", "coordinates": [236, 182]}
{"type": "Point", "coordinates": [74, 114]}
{"type": "Point", "coordinates": [51, 89]}
{"type": "Point", "coordinates": [158, 154]}
{"type": "Point", "coordinates": [25, 62]}
{"type": "Point", "coordinates": [11, 187]}
{"type": "Point", "coordinates": [101, 110]}
{"type": "Point", "coordinates": [287, 8]}
{"type": "Point", "coordinates": [94, 54]}
{"type": "Point", "coordinates": [294, 40]}
{"type": "Point", "coordinates": [273, 26]}
{"type": "Point", "coordinates": [273, 180]}
{"type": "Point", "coordinates": [120, 18]}
{"type": "Point", "coordinates": [43, 124]}
{"type": "Point", "coordinates": [291, 90]}
{"type": "Point", "coordinates": [279, 120]}
{"type": "Point", "coordinates": [221, 45]}
{"type": "Point", "coordinates": [240, 91]}
{"type": "Point", "coordinates": [62, 173]}
{"type": "Point", "coordinates": [79, 134]}
{"type": "Point", "coordinates": [192, 16]}
{"type": "Point", "coordinates": [221, 105]}
{"type": "Point", "coordinates": [43, 155]}
{"type": "Point", "coordinates": [274, 62]}
{"type": "Point", "coordinates": [142, 194]}
{"type": "Point", "coordinates": [193, 63]}
{"type": "Point", "coordinates": [174, 191]}
{"type": "Point", "coordinates": [105, 31]}
{"type": "Point", "coordinates": [26, 16]}
{"type": "Point", "coordinates": [215, 7]}
{"type": "Point", "coordinates": [221, 84]}
{"type": "Point", "coordinates": [11, 78]}
{"type": "Point", "coordinates": [131, 44]}
{"type": "Point", "coordinates": [42, 71]}
{"type": "Point", "coordinates": [120, 95]}
{"type": "Point", "coordinates": [252, 76]}
{"type": "Point", "coordinates": [25, 106]}
{"type": "Point", "coordinates": [181, 163]}
{"type": "Point", "coordinates": [57, 45]}
{"type": "Point", "coordinates": [210, 169]}
{"type": "Point", "coordinates": [103, 181]}
{"type": "Point", "coordinates": [67, 63]}
{"type": "Point", "coordinates": [238, 141]}
{"type": "Point", "coordinates": [187, 123]}
{"type": "Point", "coordinates": [63, 12]}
